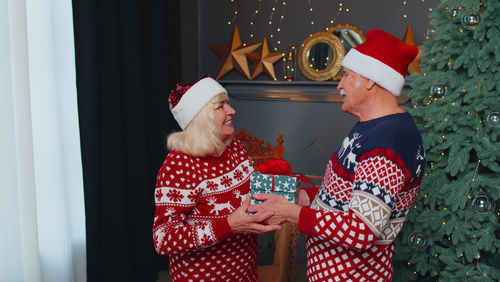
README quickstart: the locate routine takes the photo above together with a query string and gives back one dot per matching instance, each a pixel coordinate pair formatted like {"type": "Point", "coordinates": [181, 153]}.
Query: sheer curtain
{"type": "Point", "coordinates": [41, 183]}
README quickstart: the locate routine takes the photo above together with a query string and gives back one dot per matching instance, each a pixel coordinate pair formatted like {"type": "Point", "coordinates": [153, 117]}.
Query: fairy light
{"type": "Point", "coordinates": [339, 10]}
{"type": "Point", "coordinates": [275, 26]}
{"type": "Point", "coordinates": [235, 12]}
{"type": "Point", "coordinates": [252, 17]}
{"type": "Point", "coordinates": [404, 6]}
{"type": "Point", "coordinates": [311, 15]}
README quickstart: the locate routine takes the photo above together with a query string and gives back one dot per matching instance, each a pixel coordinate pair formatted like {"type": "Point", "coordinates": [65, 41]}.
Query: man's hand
{"type": "Point", "coordinates": [303, 198]}
{"type": "Point", "coordinates": [241, 222]}
{"type": "Point", "coordinates": [282, 210]}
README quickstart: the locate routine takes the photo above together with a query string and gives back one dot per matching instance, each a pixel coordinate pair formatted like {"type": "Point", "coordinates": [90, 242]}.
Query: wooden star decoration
{"type": "Point", "coordinates": [233, 55]}
{"type": "Point", "coordinates": [409, 39]}
{"type": "Point", "coordinates": [263, 61]}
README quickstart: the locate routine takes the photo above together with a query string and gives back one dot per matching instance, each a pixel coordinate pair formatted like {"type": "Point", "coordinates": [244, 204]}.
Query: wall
{"type": "Point", "coordinates": [312, 130]}
{"type": "Point", "coordinates": [384, 14]}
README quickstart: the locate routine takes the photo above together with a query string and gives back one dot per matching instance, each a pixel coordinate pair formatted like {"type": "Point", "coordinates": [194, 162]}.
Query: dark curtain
{"type": "Point", "coordinates": [127, 60]}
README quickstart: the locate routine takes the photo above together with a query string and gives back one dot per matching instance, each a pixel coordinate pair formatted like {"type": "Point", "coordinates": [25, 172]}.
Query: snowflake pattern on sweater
{"type": "Point", "coordinates": [369, 186]}
{"type": "Point", "coordinates": [193, 198]}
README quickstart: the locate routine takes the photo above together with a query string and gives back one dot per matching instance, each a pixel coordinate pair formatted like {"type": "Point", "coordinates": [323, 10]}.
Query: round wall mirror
{"type": "Point", "coordinates": [320, 56]}
{"type": "Point", "coordinates": [350, 36]}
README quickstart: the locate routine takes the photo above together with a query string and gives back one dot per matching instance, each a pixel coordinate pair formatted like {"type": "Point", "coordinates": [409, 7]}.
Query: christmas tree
{"type": "Point", "coordinates": [452, 232]}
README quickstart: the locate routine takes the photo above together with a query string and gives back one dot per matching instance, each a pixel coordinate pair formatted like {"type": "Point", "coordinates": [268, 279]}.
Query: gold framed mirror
{"type": "Point", "coordinates": [350, 36]}
{"type": "Point", "coordinates": [320, 56]}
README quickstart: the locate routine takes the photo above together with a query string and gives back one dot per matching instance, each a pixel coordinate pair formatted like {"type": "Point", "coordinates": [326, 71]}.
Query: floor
{"type": "Point", "coordinates": [300, 276]}
{"type": "Point", "coordinates": [163, 276]}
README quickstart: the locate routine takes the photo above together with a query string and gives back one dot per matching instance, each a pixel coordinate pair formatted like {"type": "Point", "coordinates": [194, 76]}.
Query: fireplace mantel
{"type": "Point", "coordinates": [298, 91]}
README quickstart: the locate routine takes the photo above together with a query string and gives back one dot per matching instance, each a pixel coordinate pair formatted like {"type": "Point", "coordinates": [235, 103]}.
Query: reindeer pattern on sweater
{"type": "Point", "coordinates": [369, 186]}
{"type": "Point", "coordinates": [193, 198]}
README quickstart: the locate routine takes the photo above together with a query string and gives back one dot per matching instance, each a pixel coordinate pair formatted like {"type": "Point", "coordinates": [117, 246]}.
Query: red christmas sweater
{"type": "Point", "coordinates": [193, 198]}
{"type": "Point", "coordinates": [369, 186]}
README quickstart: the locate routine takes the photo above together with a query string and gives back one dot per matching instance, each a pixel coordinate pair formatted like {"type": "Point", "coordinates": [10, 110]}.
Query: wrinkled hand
{"type": "Point", "coordinates": [303, 198]}
{"type": "Point", "coordinates": [282, 209]}
{"type": "Point", "coordinates": [241, 222]}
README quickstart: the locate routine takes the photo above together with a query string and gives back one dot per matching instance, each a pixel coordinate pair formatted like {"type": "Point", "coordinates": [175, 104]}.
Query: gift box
{"type": "Point", "coordinates": [270, 183]}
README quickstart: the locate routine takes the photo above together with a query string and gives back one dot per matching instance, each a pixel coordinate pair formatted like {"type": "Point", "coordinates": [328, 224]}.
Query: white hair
{"type": "Point", "coordinates": [201, 137]}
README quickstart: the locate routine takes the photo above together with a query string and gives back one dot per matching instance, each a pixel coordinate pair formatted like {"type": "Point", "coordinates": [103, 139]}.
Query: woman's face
{"type": "Point", "coordinates": [223, 115]}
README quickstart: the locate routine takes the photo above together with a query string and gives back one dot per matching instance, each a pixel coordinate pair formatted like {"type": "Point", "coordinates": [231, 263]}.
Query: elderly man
{"type": "Point", "coordinates": [372, 179]}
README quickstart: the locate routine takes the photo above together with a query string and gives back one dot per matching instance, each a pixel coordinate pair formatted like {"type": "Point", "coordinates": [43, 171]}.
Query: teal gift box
{"type": "Point", "coordinates": [270, 183]}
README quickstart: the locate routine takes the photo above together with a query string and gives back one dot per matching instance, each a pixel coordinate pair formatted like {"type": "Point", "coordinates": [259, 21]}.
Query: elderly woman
{"type": "Point", "coordinates": [202, 192]}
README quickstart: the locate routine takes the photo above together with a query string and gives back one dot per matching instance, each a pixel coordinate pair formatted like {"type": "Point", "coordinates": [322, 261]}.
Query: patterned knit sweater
{"type": "Point", "coordinates": [369, 186]}
{"type": "Point", "coordinates": [193, 198]}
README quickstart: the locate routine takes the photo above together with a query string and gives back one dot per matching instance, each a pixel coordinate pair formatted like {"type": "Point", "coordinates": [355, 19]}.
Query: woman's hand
{"type": "Point", "coordinates": [241, 222]}
{"type": "Point", "coordinates": [282, 210]}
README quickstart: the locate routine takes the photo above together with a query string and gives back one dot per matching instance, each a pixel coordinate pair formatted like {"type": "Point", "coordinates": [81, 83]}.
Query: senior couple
{"type": "Point", "coordinates": [204, 221]}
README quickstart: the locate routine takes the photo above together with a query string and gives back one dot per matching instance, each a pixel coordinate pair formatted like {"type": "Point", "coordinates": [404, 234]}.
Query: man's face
{"type": "Point", "coordinates": [353, 89]}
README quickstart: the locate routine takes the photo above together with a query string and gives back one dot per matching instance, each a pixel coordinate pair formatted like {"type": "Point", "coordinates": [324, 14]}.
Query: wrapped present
{"type": "Point", "coordinates": [275, 177]}
{"type": "Point", "coordinates": [270, 183]}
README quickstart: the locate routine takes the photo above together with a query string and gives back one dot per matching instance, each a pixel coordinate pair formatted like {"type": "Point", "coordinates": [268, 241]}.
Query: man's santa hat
{"type": "Point", "coordinates": [187, 100]}
{"type": "Point", "coordinates": [382, 58]}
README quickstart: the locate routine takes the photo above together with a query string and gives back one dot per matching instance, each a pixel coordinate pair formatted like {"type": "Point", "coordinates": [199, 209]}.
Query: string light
{"type": "Point", "coordinates": [311, 16]}
{"type": "Point", "coordinates": [275, 21]}
{"type": "Point", "coordinates": [252, 17]}
{"type": "Point", "coordinates": [235, 12]}
{"type": "Point", "coordinates": [339, 10]}
{"type": "Point", "coordinates": [403, 8]}
{"type": "Point", "coordinates": [277, 26]}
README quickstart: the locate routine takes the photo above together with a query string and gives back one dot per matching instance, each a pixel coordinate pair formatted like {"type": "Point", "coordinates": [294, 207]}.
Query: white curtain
{"type": "Point", "coordinates": [41, 185]}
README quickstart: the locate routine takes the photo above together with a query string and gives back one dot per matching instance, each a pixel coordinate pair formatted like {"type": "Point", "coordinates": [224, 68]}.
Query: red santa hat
{"type": "Point", "coordinates": [186, 100]}
{"type": "Point", "coordinates": [382, 58]}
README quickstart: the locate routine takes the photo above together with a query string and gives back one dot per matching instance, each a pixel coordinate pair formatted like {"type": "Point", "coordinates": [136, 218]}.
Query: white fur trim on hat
{"type": "Point", "coordinates": [195, 99]}
{"type": "Point", "coordinates": [375, 70]}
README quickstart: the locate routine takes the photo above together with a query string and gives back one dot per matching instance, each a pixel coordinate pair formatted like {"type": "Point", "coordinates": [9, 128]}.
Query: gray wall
{"type": "Point", "coordinates": [312, 130]}
{"type": "Point", "coordinates": [365, 14]}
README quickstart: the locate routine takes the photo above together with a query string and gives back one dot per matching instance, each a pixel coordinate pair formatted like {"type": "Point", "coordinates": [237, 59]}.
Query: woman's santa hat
{"type": "Point", "coordinates": [187, 100]}
{"type": "Point", "coordinates": [382, 58]}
